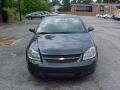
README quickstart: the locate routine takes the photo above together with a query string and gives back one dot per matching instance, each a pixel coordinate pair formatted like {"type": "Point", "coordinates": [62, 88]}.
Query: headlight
{"type": "Point", "coordinates": [33, 54]}
{"type": "Point", "coordinates": [90, 53]}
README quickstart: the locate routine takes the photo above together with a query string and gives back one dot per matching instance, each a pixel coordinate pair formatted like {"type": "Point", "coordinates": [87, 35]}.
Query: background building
{"type": "Point", "coordinates": [110, 1]}
{"type": "Point", "coordinates": [95, 7]}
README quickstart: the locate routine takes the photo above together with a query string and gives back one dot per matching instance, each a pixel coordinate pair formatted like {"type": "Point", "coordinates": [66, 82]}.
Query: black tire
{"type": "Point", "coordinates": [29, 18]}
{"type": "Point", "coordinates": [31, 71]}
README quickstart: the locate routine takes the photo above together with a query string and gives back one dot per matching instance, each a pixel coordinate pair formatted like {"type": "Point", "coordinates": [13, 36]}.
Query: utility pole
{"type": "Point", "coordinates": [19, 8]}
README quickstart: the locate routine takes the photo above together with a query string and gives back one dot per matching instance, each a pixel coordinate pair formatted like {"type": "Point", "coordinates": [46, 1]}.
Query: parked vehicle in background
{"type": "Point", "coordinates": [53, 14]}
{"type": "Point", "coordinates": [99, 15]}
{"type": "Point", "coordinates": [40, 14]}
{"type": "Point", "coordinates": [46, 13]}
{"type": "Point", "coordinates": [57, 12]}
{"type": "Point", "coordinates": [105, 16]}
{"type": "Point", "coordinates": [34, 15]}
{"type": "Point", "coordinates": [116, 16]}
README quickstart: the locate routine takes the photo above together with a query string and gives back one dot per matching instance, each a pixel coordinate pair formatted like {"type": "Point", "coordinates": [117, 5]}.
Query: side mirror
{"type": "Point", "coordinates": [32, 30]}
{"type": "Point", "coordinates": [90, 29]}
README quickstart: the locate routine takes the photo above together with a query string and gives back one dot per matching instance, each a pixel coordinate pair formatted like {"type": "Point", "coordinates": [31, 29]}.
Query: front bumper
{"type": "Point", "coordinates": [82, 68]}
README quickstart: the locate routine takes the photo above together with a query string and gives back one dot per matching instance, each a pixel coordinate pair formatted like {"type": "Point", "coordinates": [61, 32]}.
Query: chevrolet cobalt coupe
{"type": "Point", "coordinates": [61, 45]}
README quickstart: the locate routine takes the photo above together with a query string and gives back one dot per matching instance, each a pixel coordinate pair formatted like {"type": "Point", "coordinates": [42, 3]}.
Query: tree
{"type": "Point", "coordinates": [84, 1]}
{"type": "Point", "coordinates": [7, 3]}
{"type": "Point", "coordinates": [74, 1]}
{"type": "Point", "coordinates": [110, 1]}
{"type": "Point", "coordinates": [99, 1]}
{"type": "Point", "coordinates": [4, 13]}
{"type": "Point", "coordinates": [79, 1]}
{"type": "Point", "coordinates": [28, 6]}
{"type": "Point", "coordinates": [55, 2]}
{"type": "Point", "coordinates": [66, 5]}
{"type": "Point", "coordinates": [118, 1]}
{"type": "Point", "coordinates": [3, 3]}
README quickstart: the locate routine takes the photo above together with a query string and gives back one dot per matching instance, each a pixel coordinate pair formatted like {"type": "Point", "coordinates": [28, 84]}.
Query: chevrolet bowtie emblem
{"type": "Point", "coordinates": [61, 59]}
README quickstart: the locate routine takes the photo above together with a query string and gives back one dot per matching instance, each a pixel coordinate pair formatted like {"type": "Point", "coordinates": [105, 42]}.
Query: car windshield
{"type": "Point", "coordinates": [61, 25]}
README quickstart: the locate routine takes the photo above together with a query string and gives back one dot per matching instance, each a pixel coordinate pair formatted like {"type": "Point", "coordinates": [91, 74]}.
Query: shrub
{"type": "Point", "coordinates": [9, 14]}
{"type": "Point", "coordinates": [5, 16]}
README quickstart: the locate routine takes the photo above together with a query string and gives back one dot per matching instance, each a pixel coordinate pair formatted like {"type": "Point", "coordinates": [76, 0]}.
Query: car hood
{"type": "Point", "coordinates": [61, 44]}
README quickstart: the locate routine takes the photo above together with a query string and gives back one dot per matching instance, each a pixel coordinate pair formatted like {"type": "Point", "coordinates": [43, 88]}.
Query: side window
{"type": "Point", "coordinates": [36, 14]}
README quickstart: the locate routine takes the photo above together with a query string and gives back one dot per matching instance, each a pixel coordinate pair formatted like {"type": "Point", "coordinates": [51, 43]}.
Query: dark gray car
{"type": "Point", "coordinates": [61, 44]}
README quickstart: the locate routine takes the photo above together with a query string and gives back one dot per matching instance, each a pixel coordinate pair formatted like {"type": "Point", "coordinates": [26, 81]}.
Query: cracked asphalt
{"type": "Point", "coordinates": [13, 68]}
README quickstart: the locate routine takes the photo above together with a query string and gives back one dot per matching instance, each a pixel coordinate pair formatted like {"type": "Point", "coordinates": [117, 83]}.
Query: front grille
{"type": "Point", "coordinates": [62, 58]}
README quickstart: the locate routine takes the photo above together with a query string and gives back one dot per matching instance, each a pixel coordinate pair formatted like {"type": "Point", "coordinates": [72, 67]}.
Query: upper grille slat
{"type": "Point", "coordinates": [62, 57]}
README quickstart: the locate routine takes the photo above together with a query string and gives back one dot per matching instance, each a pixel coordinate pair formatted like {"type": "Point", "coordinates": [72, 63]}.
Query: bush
{"type": "Point", "coordinates": [5, 16]}
{"type": "Point", "coordinates": [63, 9]}
{"type": "Point", "coordinates": [9, 14]}
{"type": "Point", "coordinates": [28, 6]}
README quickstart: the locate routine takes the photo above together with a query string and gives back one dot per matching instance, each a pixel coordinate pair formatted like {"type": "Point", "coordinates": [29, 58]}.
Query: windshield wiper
{"type": "Point", "coordinates": [49, 32]}
{"type": "Point", "coordinates": [66, 32]}
{"type": "Point", "coordinates": [56, 32]}
{"type": "Point", "coordinates": [43, 33]}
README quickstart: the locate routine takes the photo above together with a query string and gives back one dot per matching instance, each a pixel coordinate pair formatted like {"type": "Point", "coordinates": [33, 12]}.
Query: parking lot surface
{"type": "Point", "coordinates": [13, 68]}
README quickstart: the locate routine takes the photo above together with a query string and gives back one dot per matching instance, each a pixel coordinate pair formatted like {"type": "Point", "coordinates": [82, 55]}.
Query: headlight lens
{"type": "Point", "coordinates": [33, 54]}
{"type": "Point", "coordinates": [90, 53]}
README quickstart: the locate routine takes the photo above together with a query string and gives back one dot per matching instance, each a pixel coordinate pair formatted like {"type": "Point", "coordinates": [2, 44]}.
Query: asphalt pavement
{"type": "Point", "coordinates": [13, 67]}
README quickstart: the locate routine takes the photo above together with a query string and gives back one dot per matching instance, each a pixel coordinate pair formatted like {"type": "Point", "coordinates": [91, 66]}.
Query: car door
{"type": "Point", "coordinates": [36, 15]}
